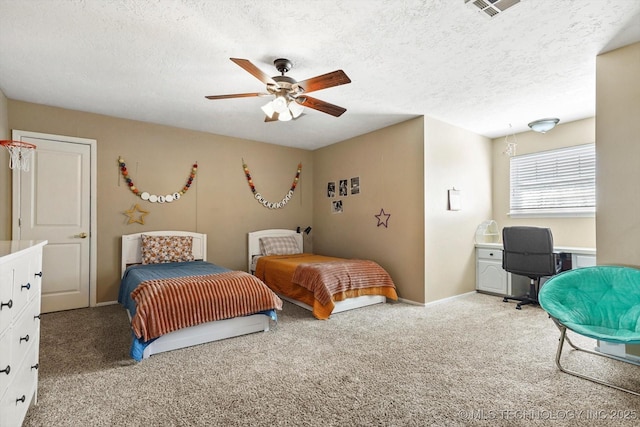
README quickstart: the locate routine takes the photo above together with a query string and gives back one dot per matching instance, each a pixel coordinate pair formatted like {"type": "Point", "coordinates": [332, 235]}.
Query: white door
{"type": "Point", "coordinates": [52, 201]}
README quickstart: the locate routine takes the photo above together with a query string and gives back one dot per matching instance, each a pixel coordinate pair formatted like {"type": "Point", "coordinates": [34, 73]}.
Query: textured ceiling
{"type": "Point", "coordinates": [155, 60]}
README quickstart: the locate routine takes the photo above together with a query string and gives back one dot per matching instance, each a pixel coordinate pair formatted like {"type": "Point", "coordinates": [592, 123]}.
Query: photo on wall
{"type": "Point", "coordinates": [331, 189]}
{"type": "Point", "coordinates": [355, 185]}
{"type": "Point", "coordinates": [344, 189]}
{"type": "Point", "coordinates": [336, 206]}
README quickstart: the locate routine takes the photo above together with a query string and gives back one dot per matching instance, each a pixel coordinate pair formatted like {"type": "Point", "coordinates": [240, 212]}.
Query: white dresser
{"type": "Point", "coordinates": [20, 278]}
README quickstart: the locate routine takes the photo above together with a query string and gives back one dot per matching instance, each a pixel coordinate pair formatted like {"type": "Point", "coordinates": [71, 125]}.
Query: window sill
{"type": "Point", "coordinates": [552, 214]}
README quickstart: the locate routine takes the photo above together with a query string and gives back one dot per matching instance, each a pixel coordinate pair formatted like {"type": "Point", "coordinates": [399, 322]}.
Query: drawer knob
{"type": "Point", "coordinates": [22, 399]}
{"type": "Point", "coordinates": [35, 366]}
{"type": "Point", "coordinates": [6, 370]}
{"type": "Point", "coordinates": [6, 304]}
{"type": "Point", "coordinates": [38, 274]}
{"type": "Point", "coordinates": [25, 338]}
{"type": "Point", "coordinates": [27, 286]}
{"type": "Point", "coordinates": [491, 254]}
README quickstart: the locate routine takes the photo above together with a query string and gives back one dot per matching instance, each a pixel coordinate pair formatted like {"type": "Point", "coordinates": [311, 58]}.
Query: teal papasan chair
{"type": "Point", "coordinates": [601, 302]}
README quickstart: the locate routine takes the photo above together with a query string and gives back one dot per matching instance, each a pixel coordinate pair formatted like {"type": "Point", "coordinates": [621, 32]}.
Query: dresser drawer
{"type": "Point", "coordinates": [25, 332]}
{"type": "Point", "coordinates": [23, 286]}
{"type": "Point", "coordinates": [16, 400]}
{"type": "Point", "coordinates": [6, 297]}
{"type": "Point", "coordinates": [489, 253]}
{"type": "Point", "coordinates": [6, 365]}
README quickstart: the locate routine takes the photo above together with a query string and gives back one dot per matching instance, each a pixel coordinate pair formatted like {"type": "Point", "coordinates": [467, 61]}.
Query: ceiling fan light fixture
{"type": "Point", "coordinates": [268, 109]}
{"type": "Point", "coordinates": [285, 116]}
{"type": "Point", "coordinates": [295, 108]}
{"type": "Point", "coordinates": [288, 101]}
{"type": "Point", "coordinates": [544, 125]}
{"type": "Point", "coordinates": [279, 104]}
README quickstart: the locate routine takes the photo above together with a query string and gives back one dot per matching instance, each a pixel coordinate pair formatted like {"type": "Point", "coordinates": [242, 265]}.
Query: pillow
{"type": "Point", "coordinates": [159, 249]}
{"type": "Point", "coordinates": [281, 245]}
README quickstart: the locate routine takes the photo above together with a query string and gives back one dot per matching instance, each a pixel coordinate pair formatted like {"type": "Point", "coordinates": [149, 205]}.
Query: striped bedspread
{"type": "Point", "coordinates": [325, 279]}
{"type": "Point", "coordinates": [166, 305]}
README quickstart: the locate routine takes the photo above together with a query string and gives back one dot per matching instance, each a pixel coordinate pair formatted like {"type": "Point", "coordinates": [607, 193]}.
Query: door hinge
{"type": "Point", "coordinates": [19, 222]}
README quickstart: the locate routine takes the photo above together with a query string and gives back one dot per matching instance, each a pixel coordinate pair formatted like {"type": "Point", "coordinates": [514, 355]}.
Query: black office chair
{"type": "Point", "coordinates": [528, 251]}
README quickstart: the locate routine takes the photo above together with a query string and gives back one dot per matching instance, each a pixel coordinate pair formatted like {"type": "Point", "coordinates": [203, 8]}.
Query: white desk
{"type": "Point", "coordinates": [491, 278]}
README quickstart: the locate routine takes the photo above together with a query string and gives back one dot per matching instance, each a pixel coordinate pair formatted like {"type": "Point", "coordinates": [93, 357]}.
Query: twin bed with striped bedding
{"type": "Point", "coordinates": [324, 285]}
{"type": "Point", "coordinates": [176, 299]}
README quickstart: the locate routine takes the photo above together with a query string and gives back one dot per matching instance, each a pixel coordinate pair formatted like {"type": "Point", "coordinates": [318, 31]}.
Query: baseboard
{"type": "Point", "coordinates": [101, 304]}
{"type": "Point", "coordinates": [451, 298]}
{"type": "Point", "coordinates": [440, 301]}
{"type": "Point", "coordinates": [407, 301]}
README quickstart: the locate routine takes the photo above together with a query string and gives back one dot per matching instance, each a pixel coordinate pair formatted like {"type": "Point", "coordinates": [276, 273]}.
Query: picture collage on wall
{"type": "Point", "coordinates": [345, 188]}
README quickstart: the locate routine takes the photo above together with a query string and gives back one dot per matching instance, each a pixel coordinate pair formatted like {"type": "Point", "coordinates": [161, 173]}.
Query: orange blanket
{"type": "Point", "coordinates": [166, 305]}
{"type": "Point", "coordinates": [278, 272]}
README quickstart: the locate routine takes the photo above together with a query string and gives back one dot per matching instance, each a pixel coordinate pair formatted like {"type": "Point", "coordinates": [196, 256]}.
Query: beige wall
{"type": "Point", "coordinates": [568, 231]}
{"type": "Point", "coordinates": [389, 163]}
{"type": "Point", "coordinates": [405, 169]}
{"type": "Point", "coordinates": [618, 153]}
{"type": "Point", "coordinates": [5, 172]}
{"type": "Point", "coordinates": [159, 159]}
{"type": "Point", "coordinates": [456, 158]}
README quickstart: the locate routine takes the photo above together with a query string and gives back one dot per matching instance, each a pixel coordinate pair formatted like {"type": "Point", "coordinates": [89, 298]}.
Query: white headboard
{"type": "Point", "coordinates": [132, 246]}
{"type": "Point", "coordinates": [254, 240]}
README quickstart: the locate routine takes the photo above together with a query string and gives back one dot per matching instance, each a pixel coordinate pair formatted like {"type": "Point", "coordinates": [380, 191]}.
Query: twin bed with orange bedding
{"type": "Point", "coordinates": [322, 284]}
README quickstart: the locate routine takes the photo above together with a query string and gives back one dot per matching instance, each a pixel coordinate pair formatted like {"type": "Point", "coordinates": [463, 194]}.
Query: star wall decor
{"type": "Point", "coordinates": [383, 218]}
{"type": "Point", "coordinates": [131, 213]}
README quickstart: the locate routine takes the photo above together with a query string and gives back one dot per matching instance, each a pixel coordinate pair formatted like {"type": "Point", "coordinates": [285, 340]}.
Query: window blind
{"type": "Point", "coordinates": [561, 181]}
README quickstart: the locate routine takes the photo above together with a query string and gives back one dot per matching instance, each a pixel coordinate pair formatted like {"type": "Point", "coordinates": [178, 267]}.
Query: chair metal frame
{"type": "Point", "coordinates": [564, 337]}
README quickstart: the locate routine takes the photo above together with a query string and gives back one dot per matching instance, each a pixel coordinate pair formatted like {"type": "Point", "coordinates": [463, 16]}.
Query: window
{"type": "Point", "coordinates": [558, 182]}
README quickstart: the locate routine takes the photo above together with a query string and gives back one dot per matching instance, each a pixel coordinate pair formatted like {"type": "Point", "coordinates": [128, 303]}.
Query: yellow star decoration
{"type": "Point", "coordinates": [131, 212]}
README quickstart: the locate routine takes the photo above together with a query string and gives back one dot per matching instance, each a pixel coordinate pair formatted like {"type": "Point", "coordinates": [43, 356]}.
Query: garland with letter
{"type": "Point", "coordinates": [152, 197]}
{"type": "Point", "coordinates": [264, 202]}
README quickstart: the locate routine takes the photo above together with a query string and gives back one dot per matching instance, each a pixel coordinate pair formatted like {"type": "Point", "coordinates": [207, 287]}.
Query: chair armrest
{"type": "Point", "coordinates": [558, 262]}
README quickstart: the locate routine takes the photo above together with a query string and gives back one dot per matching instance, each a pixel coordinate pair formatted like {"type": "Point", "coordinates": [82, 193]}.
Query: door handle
{"type": "Point", "coordinates": [82, 235]}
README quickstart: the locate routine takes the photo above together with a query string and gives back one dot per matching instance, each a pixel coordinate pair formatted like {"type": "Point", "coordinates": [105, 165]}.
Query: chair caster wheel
{"type": "Point", "coordinates": [505, 300]}
{"type": "Point", "coordinates": [518, 307]}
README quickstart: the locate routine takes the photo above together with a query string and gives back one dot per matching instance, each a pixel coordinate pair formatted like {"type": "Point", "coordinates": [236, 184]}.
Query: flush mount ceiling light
{"type": "Point", "coordinates": [543, 125]}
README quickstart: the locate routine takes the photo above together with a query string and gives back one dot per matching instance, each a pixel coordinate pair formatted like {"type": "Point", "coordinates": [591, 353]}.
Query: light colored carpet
{"type": "Point", "coordinates": [473, 360]}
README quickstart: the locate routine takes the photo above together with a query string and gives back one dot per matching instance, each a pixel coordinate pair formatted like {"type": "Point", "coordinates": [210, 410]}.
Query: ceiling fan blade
{"type": "Point", "coordinates": [335, 78]}
{"type": "Point", "coordinates": [254, 71]}
{"type": "Point", "coordinates": [325, 107]}
{"type": "Point", "coordinates": [237, 95]}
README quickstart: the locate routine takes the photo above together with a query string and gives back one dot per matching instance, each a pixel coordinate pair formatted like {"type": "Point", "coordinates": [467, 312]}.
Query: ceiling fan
{"type": "Point", "coordinates": [290, 95]}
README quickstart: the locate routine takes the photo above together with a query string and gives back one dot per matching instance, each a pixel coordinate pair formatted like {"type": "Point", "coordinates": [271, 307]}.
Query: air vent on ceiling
{"type": "Point", "coordinates": [491, 7]}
